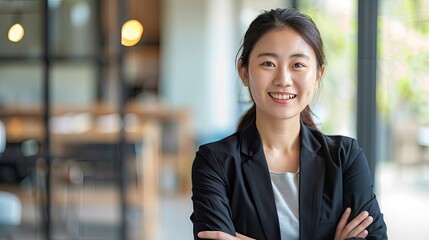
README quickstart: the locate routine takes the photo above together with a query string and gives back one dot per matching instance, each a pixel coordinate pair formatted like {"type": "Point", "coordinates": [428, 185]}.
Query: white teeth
{"type": "Point", "coordinates": [282, 96]}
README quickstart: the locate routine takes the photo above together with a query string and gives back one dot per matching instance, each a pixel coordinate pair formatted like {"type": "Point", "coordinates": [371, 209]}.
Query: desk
{"type": "Point", "coordinates": [26, 123]}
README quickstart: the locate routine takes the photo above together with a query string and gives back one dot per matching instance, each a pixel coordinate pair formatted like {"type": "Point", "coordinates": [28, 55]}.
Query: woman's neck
{"type": "Point", "coordinates": [279, 134]}
{"type": "Point", "coordinates": [280, 140]}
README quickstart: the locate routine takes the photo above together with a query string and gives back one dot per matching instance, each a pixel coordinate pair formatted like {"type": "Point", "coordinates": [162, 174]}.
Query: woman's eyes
{"type": "Point", "coordinates": [268, 64]}
{"type": "Point", "coordinates": [298, 65]}
{"type": "Point", "coordinates": [271, 64]}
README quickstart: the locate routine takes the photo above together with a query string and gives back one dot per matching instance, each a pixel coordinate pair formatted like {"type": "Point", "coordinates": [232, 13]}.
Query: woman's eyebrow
{"type": "Point", "coordinates": [295, 55]}
{"type": "Point", "coordinates": [268, 54]}
{"type": "Point", "coordinates": [299, 55]}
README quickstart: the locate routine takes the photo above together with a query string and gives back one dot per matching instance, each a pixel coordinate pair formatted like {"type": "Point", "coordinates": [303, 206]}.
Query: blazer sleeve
{"type": "Point", "coordinates": [210, 194]}
{"type": "Point", "coordinates": [359, 191]}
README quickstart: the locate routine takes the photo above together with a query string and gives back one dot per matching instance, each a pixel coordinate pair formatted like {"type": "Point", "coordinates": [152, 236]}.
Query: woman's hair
{"type": "Point", "coordinates": [275, 19]}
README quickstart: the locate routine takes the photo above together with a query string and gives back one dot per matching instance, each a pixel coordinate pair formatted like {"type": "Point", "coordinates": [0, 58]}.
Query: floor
{"type": "Point", "coordinates": [404, 199]}
{"type": "Point", "coordinates": [403, 195]}
{"type": "Point", "coordinates": [94, 213]}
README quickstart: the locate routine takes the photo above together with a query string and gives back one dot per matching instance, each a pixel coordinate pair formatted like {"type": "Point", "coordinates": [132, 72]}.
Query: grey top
{"type": "Point", "coordinates": [285, 187]}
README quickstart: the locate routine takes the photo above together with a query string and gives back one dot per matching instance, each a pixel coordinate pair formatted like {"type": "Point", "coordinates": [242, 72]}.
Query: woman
{"type": "Point", "coordinates": [278, 177]}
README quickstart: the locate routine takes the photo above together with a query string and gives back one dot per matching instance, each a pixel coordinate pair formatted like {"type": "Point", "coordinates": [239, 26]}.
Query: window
{"type": "Point", "coordinates": [403, 99]}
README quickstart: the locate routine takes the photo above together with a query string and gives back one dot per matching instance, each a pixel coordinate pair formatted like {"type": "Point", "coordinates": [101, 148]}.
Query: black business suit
{"type": "Point", "coordinates": [232, 189]}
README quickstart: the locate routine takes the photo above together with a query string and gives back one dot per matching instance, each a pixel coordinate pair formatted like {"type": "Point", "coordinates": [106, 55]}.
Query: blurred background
{"type": "Point", "coordinates": [103, 104]}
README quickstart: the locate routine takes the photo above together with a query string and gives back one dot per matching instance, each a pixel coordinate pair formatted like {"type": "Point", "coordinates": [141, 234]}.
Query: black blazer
{"type": "Point", "coordinates": [232, 189]}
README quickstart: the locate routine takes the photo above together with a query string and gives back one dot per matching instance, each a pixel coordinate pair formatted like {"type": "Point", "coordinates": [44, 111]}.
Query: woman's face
{"type": "Point", "coordinates": [282, 74]}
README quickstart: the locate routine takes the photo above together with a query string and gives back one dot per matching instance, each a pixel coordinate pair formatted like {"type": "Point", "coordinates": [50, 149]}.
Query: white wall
{"type": "Point", "coordinates": [197, 63]}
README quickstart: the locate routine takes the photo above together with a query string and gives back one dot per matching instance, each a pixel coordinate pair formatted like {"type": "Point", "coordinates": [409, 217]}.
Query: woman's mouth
{"type": "Point", "coordinates": [282, 96]}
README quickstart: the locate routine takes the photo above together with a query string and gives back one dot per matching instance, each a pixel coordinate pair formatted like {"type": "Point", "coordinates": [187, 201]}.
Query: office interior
{"type": "Point", "coordinates": [103, 104]}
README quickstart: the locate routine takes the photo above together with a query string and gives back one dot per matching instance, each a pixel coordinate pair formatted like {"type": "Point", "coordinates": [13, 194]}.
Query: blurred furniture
{"type": "Point", "coordinates": [10, 204]}
{"type": "Point", "coordinates": [10, 217]}
{"type": "Point", "coordinates": [25, 123]}
{"type": "Point", "coordinates": [88, 152]}
{"type": "Point", "coordinates": [76, 131]}
{"type": "Point", "coordinates": [406, 150]}
{"type": "Point", "coordinates": [411, 148]}
{"type": "Point", "coordinates": [18, 160]}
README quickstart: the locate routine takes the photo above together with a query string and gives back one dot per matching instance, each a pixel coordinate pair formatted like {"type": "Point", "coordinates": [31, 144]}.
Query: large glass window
{"type": "Point", "coordinates": [403, 99]}
{"type": "Point", "coordinates": [73, 28]}
{"type": "Point", "coordinates": [73, 40]}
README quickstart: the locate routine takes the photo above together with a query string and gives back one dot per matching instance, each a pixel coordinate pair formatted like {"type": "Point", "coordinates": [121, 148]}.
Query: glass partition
{"type": "Point", "coordinates": [402, 103]}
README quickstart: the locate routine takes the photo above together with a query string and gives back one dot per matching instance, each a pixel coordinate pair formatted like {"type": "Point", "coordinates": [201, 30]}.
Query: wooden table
{"type": "Point", "coordinates": [26, 123]}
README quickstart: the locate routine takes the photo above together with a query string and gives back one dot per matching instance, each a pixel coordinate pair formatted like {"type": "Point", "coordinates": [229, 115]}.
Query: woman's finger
{"type": "Point", "coordinates": [363, 234]}
{"type": "Point", "coordinates": [355, 222]}
{"type": "Point", "coordinates": [361, 227]}
{"type": "Point", "coordinates": [342, 224]}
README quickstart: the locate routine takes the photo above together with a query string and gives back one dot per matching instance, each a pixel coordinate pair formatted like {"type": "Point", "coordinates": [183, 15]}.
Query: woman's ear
{"type": "Point", "coordinates": [320, 75]}
{"type": "Point", "coordinates": [242, 72]}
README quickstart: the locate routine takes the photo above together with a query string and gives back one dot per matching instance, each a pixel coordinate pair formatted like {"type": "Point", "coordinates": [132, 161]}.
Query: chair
{"type": "Point", "coordinates": [10, 204]}
{"type": "Point", "coordinates": [84, 165]}
{"type": "Point", "coordinates": [10, 217]}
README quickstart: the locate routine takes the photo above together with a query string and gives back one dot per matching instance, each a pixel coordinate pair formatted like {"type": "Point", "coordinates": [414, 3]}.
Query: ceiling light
{"type": "Point", "coordinates": [16, 33]}
{"type": "Point", "coordinates": [131, 33]}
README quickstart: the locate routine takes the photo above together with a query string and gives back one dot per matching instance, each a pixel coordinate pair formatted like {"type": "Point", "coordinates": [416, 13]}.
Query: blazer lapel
{"type": "Point", "coordinates": [312, 176]}
{"type": "Point", "coordinates": [255, 171]}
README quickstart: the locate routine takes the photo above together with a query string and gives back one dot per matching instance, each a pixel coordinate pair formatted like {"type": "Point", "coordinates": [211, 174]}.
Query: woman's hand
{"type": "Point", "coordinates": [355, 228]}
{"type": "Point", "coordinates": [221, 236]}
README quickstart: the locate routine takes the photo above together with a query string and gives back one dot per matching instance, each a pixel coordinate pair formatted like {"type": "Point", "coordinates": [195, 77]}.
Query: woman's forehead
{"type": "Point", "coordinates": [282, 41]}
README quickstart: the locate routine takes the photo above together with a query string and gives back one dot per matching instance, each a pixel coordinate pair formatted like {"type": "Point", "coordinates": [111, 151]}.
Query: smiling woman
{"type": "Point", "coordinates": [278, 176]}
{"type": "Point", "coordinates": [282, 75]}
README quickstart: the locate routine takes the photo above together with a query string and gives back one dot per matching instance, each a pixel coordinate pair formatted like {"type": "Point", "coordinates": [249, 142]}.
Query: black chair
{"type": "Point", "coordinates": [84, 165]}
{"type": "Point", "coordinates": [99, 161]}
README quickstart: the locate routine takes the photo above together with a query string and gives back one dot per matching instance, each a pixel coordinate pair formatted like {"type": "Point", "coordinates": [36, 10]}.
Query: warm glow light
{"type": "Point", "coordinates": [131, 33]}
{"type": "Point", "coordinates": [16, 33]}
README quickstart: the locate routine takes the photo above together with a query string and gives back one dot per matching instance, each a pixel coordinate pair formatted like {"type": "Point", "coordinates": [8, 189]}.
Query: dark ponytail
{"type": "Point", "coordinates": [247, 118]}
{"type": "Point", "coordinates": [307, 117]}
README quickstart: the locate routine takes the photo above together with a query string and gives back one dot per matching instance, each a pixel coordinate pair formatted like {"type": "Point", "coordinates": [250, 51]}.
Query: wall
{"type": "Point", "coordinates": [198, 63]}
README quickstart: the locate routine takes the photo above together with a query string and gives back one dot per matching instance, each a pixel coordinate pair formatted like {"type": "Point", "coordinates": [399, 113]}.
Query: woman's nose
{"type": "Point", "coordinates": [283, 78]}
